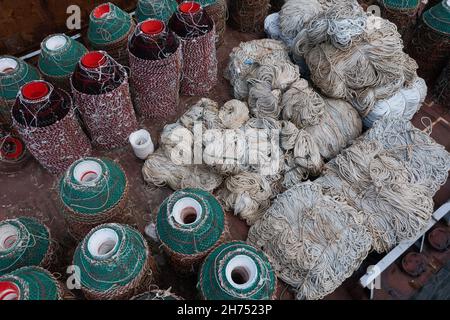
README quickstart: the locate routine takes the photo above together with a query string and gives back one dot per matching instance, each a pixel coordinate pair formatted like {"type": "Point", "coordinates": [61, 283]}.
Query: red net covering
{"type": "Point", "coordinates": [109, 117]}
{"type": "Point", "coordinates": [199, 64]}
{"type": "Point", "coordinates": [58, 145]}
{"type": "Point", "coordinates": [156, 84]}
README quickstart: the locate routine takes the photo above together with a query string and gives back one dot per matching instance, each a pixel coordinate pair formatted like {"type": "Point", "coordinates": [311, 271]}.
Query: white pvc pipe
{"type": "Point", "coordinates": [102, 242]}
{"type": "Point", "coordinates": [141, 142]}
{"type": "Point", "coordinates": [245, 267]}
{"type": "Point", "coordinates": [87, 172]}
{"type": "Point", "coordinates": [55, 42]}
{"type": "Point", "coordinates": [7, 64]}
{"type": "Point", "coordinates": [186, 207]}
{"type": "Point", "coordinates": [8, 236]}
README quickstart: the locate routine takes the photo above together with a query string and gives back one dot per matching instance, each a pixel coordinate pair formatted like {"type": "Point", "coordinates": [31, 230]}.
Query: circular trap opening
{"type": "Point", "coordinates": [87, 172]}
{"type": "Point", "coordinates": [103, 242]}
{"type": "Point", "coordinates": [190, 7]}
{"type": "Point", "coordinates": [9, 235]}
{"type": "Point", "coordinates": [9, 291]}
{"type": "Point", "coordinates": [8, 65]}
{"type": "Point", "coordinates": [187, 211]}
{"type": "Point", "coordinates": [55, 42]}
{"type": "Point", "coordinates": [241, 272]}
{"type": "Point", "coordinates": [152, 27]}
{"type": "Point", "coordinates": [35, 90]}
{"type": "Point", "coordinates": [94, 59]}
{"type": "Point", "coordinates": [102, 11]}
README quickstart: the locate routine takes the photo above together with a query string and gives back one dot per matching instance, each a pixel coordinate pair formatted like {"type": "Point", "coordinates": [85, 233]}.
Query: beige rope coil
{"type": "Point", "coordinates": [315, 242]}
{"type": "Point", "coordinates": [161, 171]}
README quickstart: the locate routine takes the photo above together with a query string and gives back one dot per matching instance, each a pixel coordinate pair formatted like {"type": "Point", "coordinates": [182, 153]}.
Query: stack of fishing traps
{"type": "Point", "coordinates": [314, 152]}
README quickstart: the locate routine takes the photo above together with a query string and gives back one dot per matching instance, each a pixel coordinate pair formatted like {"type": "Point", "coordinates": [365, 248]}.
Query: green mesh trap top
{"type": "Point", "coordinates": [206, 3]}
{"type": "Point", "coordinates": [438, 17]}
{"type": "Point", "coordinates": [31, 283]}
{"type": "Point", "coordinates": [23, 242]}
{"type": "Point", "coordinates": [11, 79]}
{"type": "Point", "coordinates": [190, 237]}
{"type": "Point", "coordinates": [59, 55]}
{"type": "Point", "coordinates": [401, 4]}
{"type": "Point", "coordinates": [236, 270]}
{"type": "Point", "coordinates": [107, 24]}
{"type": "Point", "coordinates": [155, 9]}
{"type": "Point", "coordinates": [113, 258]}
{"type": "Point", "coordinates": [97, 196]}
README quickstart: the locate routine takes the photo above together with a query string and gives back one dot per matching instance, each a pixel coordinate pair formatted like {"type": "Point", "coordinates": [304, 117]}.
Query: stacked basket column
{"type": "Point", "coordinates": [156, 84]}
{"type": "Point", "coordinates": [109, 117]}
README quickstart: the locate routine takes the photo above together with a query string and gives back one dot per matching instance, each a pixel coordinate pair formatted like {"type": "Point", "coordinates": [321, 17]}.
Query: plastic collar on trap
{"type": "Point", "coordinates": [187, 211]}
{"type": "Point", "coordinates": [152, 27]}
{"type": "Point", "coordinates": [55, 42]}
{"type": "Point", "coordinates": [9, 235]}
{"type": "Point", "coordinates": [103, 242]}
{"type": "Point", "coordinates": [9, 291]}
{"type": "Point", "coordinates": [87, 172]}
{"type": "Point", "coordinates": [189, 7]}
{"type": "Point", "coordinates": [241, 272]}
{"type": "Point", "coordinates": [8, 65]}
{"type": "Point", "coordinates": [102, 11]}
{"type": "Point", "coordinates": [35, 90]}
{"type": "Point", "coordinates": [94, 59]}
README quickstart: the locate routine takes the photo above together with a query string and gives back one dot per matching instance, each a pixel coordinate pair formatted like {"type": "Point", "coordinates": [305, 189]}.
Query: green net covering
{"type": "Point", "coordinates": [110, 258]}
{"type": "Point", "coordinates": [155, 9]}
{"type": "Point", "coordinates": [92, 186]}
{"type": "Point", "coordinates": [235, 271]}
{"type": "Point", "coordinates": [59, 55]}
{"type": "Point", "coordinates": [438, 17]}
{"type": "Point", "coordinates": [107, 24]}
{"type": "Point", "coordinates": [29, 283]}
{"type": "Point", "coordinates": [13, 74]}
{"type": "Point", "coordinates": [190, 221]}
{"type": "Point", "coordinates": [401, 4]}
{"type": "Point", "coordinates": [23, 242]}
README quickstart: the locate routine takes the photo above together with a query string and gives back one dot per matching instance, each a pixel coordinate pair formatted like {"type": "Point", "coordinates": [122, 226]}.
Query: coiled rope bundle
{"type": "Point", "coordinates": [245, 58]}
{"type": "Point", "coordinates": [190, 223]}
{"type": "Point", "coordinates": [442, 87]}
{"type": "Point", "coordinates": [114, 262]}
{"type": "Point", "coordinates": [14, 73]}
{"type": "Point", "coordinates": [315, 241]}
{"type": "Point", "coordinates": [249, 15]}
{"type": "Point", "coordinates": [426, 161]}
{"type": "Point", "coordinates": [25, 242]}
{"type": "Point", "coordinates": [93, 191]}
{"type": "Point", "coordinates": [237, 271]}
{"type": "Point", "coordinates": [30, 283]}
{"type": "Point", "coordinates": [356, 57]}
{"type": "Point", "coordinates": [378, 185]}
{"type": "Point", "coordinates": [109, 29]}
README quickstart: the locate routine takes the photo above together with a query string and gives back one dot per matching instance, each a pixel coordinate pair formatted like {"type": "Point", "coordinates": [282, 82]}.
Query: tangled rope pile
{"type": "Point", "coordinates": [358, 58]}
{"type": "Point", "coordinates": [371, 181]}
{"type": "Point", "coordinates": [315, 242]}
{"type": "Point", "coordinates": [426, 161]}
